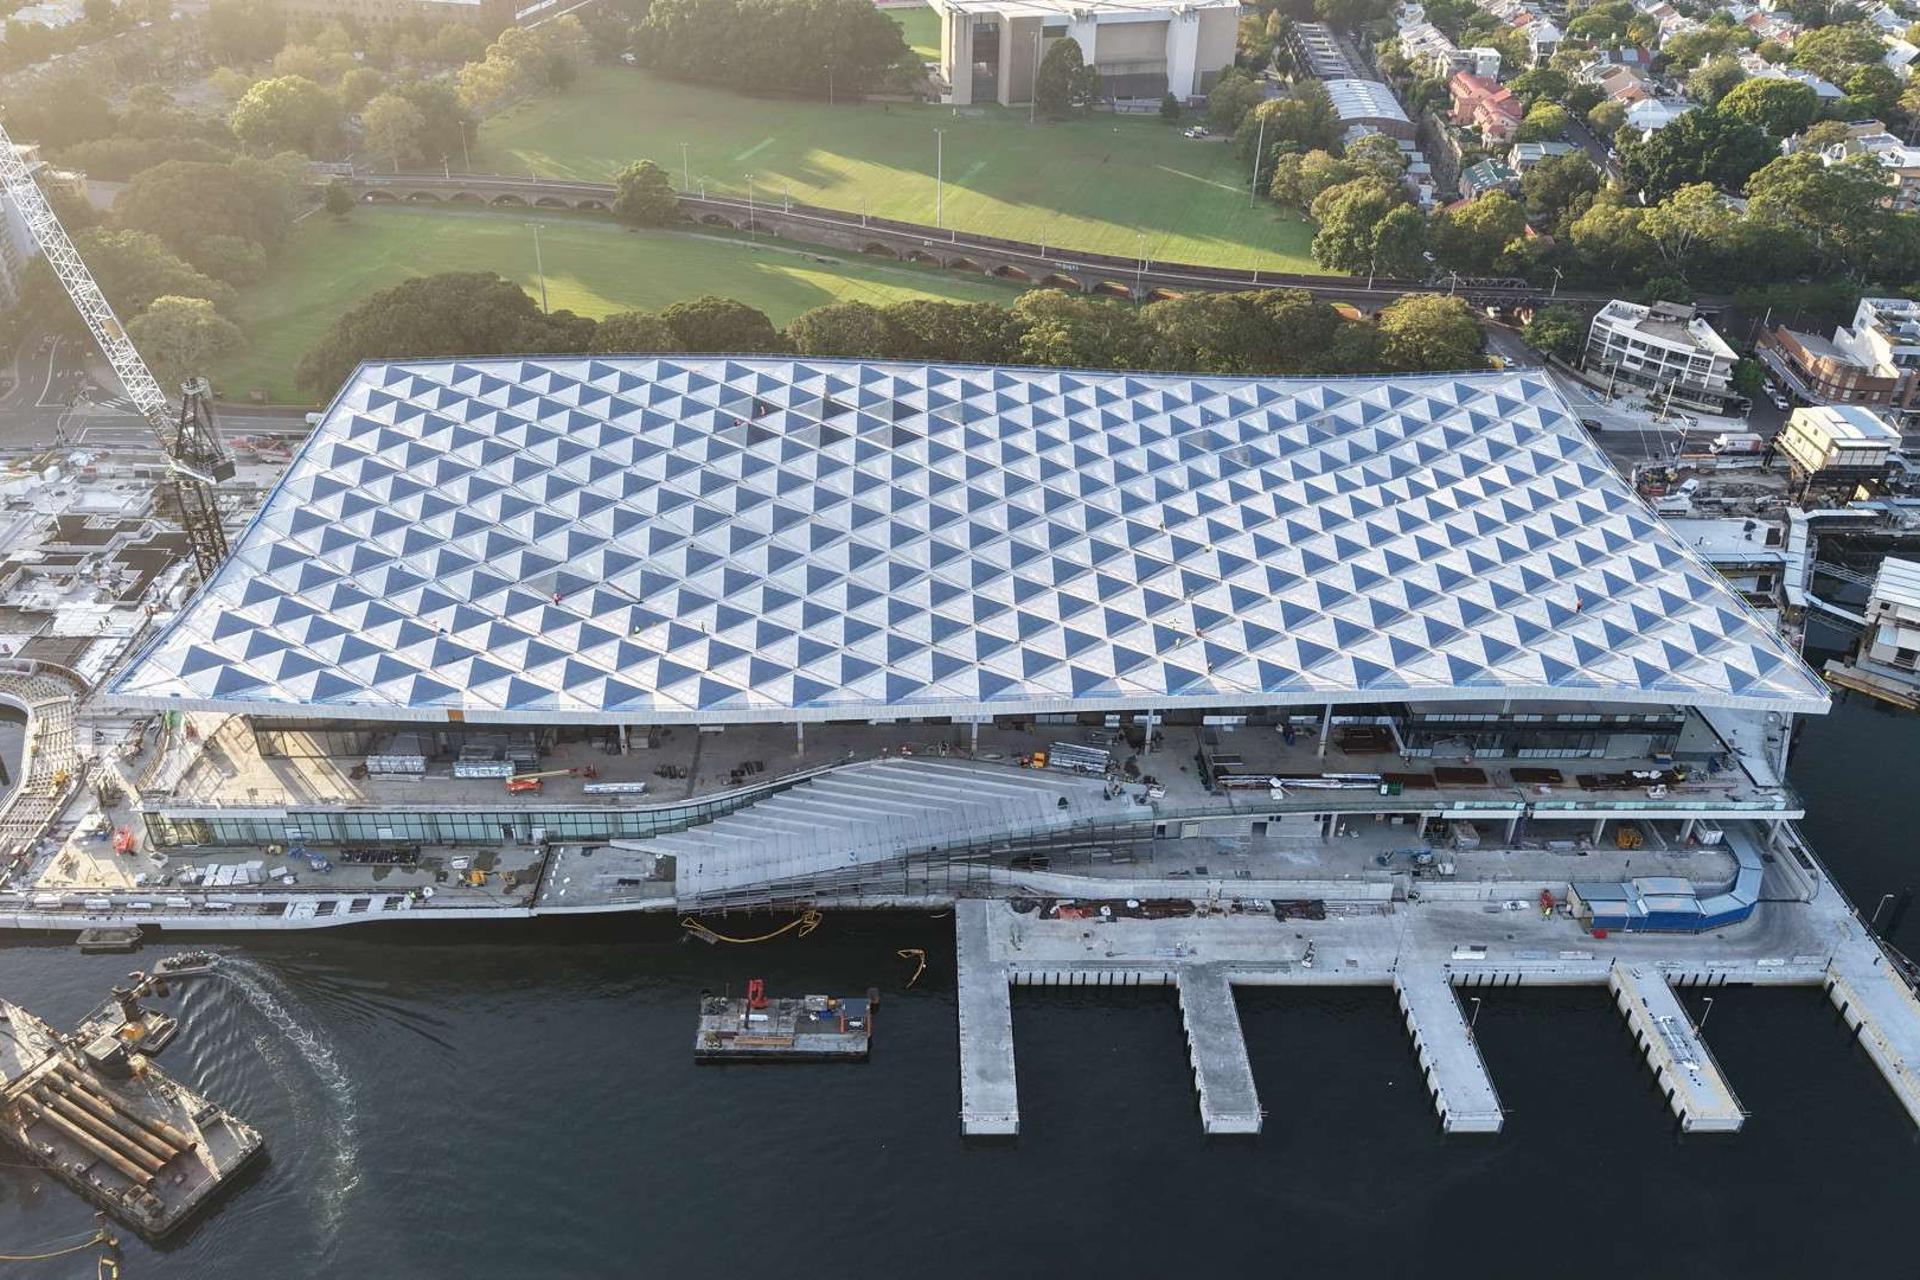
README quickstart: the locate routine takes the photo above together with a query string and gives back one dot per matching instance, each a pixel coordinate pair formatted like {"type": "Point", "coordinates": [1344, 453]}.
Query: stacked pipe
{"type": "Point", "coordinates": [160, 1129]}
{"type": "Point", "coordinates": [106, 1115]}
{"type": "Point", "coordinates": [134, 1172]}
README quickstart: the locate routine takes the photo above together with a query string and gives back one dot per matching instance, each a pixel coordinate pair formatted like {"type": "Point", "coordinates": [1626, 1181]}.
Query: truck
{"type": "Point", "coordinates": [1737, 443]}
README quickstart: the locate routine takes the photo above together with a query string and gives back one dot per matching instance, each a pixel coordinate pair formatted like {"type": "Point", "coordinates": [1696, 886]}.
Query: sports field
{"type": "Point", "coordinates": [593, 267]}
{"type": "Point", "coordinates": [1108, 184]}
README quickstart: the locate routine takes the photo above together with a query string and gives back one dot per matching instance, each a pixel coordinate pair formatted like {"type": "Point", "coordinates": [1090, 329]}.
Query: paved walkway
{"type": "Point", "coordinates": [989, 1100]}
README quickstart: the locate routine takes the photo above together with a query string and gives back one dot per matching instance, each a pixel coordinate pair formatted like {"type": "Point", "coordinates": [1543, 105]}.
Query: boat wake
{"type": "Point", "coordinates": [333, 1127]}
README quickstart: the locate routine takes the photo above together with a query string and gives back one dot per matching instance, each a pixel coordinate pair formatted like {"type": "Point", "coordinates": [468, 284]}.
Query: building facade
{"type": "Point", "coordinates": [1666, 348]}
{"type": "Point", "coordinates": [488, 15]}
{"type": "Point", "coordinates": [991, 50]}
{"type": "Point", "coordinates": [1481, 104]}
{"type": "Point", "coordinates": [17, 245]}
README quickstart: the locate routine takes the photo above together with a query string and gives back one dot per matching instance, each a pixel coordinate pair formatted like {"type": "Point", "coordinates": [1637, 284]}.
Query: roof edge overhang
{"type": "Point", "coordinates": [966, 710]}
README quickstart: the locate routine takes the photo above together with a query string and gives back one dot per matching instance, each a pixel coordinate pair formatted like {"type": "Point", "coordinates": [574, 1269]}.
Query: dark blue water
{"type": "Point", "coordinates": [520, 1101]}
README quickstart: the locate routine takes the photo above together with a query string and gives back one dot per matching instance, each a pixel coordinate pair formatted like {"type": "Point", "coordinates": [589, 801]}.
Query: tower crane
{"type": "Point", "coordinates": [196, 459]}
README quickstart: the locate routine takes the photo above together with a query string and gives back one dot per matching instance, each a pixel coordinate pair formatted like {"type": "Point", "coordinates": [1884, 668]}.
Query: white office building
{"type": "Point", "coordinates": [990, 50]}
{"type": "Point", "coordinates": [1666, 347]}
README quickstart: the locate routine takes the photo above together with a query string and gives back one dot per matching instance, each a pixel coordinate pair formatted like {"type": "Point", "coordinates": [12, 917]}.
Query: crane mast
{"type": "Point", "coordinates": [196, 459]}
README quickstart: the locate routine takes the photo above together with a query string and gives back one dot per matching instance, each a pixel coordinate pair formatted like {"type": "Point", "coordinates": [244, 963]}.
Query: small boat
{"type": "Point", "coordinates": [186, 964]}
{"type": "Point", "coordinates": [109, 939]}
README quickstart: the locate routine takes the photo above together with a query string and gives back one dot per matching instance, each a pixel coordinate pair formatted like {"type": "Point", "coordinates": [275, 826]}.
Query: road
{"type": "Point", "coordinates": [54, 387]}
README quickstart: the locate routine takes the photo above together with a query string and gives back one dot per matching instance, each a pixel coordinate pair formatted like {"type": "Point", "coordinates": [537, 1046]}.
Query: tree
{"type": "Point", "coordinates": [1781, 107]}
{"type": "Point", "coordinates": [391, 128]}
{"type": "Point", "coordinates": [1553, 186]}
{"type": "Point", "coordinates": [1376, 154]}
{"type": "Point", "coordinates": [1399, 244]}
{"type": "Point", "coordinates": [1205, 333]}
{"type": "Point", "coordinates": [645, 195]}
{"type": "Point", "coordinates": [1472, 238]}
{"type": "Point", "coordinates": [133, 268]}
{"type": "Point", "coordinates": [446, 125]}
{"type": "Point", "coordinates": [1170, 109]}
{"type": "Point", "coordinates": [288, 113]}
{"type": "Point", "coordinates": [359, 86]}
{"type": "Point", "coordinates": [1692, 221]}
{"type": "Point", "coordinates": [1606, 118]}
{"type": "Point", "coordinates": [1066, 85]}
{"type": "Point", "coordinates": [458, 314]}
{"type": "Point", "coordinates": [1299, 179]}
{"type": "Point", "coordinates": [242, 32]}
{"type": "Point", "coordinates": [1838, 208]}
{"type": "Point", "coordinates": [184, 201]}
{"type": "Point", "coordinates": [180, 337]}
{"type": "Point", "coordinates": [339, 200]}
{"type": "Point", "coordinates": [1544, 123]}
{"type": "Point", "coordinates": [230, 258]}
{"type": "Point", "coordinates": [853, 329]}
{"type": "Point", "coordinates": [967, 332]}
{"type": "Point", "coordinates": [1714, 79]}
{"type": "Point", "coordinates": [720, 325]}
{"type": "Point", "coordinates": [634, 332]}
{"type": "Point", "coordinates": [1231, 98]}
{"type": "Point", "coordinates": [1429, 331]}
{"type": "Point", "coordinates": [1609, 239]}
{"type": "Point", "coordinates": [1301, 121]}
{"type": "Point", "coordinates": [1347, 216]}
{"type": "Point", "coordinates": [57, 113]}
{"type": "Point", "coordinates": [1835, 53]}
{"type": "Point", "coordinates": [1876, 90]}
{"type": "Point", "coordinates": [1079, 332]}
{"type": "Point", "coordinates": [1701, 146]}
{"type": "Point", "coordinates": [1541, 84]}
{"type": "Point", "coordinates": [793, 46]}
{"type": "Point", "coordinates": [1558, 331]}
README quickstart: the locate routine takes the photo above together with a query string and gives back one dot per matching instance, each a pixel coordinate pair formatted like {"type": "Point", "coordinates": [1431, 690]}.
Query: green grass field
{"type": "Point", "coordinates": [921, 27]}
{"type": "Point", "coordinates": [593, 268]}
{"type": "Point", "coordinates": [1112, 184]}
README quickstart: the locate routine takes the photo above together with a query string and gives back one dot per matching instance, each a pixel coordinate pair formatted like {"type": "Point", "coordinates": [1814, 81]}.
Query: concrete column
{"type": "Point", "coordinates": [623, 738]}
{"type": "Point", "coordinates": [1147, 747]}
{"type": "Point", "coordinates": [800, 738]}
{"type": "Point", "coordinates": [1183, 53]}
{"type": "Point", "coordinates": [1599, 826]}
{"type": "Point", "coordinates": [1686, 829]}
{"type": "Point", "coordinates": [973, 737]}
{"type": "Point", "coordinates": [1326, 729]}
{"type": "Point", "coordinates": [1513, 828]}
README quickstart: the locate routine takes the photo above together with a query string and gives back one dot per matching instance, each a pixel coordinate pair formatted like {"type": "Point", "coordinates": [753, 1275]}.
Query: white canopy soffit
{"type": "Point", "coordinates": [705, 539]}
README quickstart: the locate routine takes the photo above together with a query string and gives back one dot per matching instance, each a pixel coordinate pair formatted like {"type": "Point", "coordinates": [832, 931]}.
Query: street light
{"type": "Point", "coordinates": [828, 68]}
{"type": "Point", "coordinates": [1555, 291]}
{"type": "Point", "coordinates": [1705, 1014]}
{"type": "Point", "coordinates": [1259, 145]}
{"type": "Point", "coordinates": [1139, 264]}
{"type": "Point", "coordinates": [1475, 1017]}
{"type": "Point", "coordinates": [1880, 906]}
{"type": "Point", "coordinates": [749, 206]}
{"type": "Point", "coordinates": [686, 180]}
{"type": "Point", "coordinates": [1033, 94]}
{"type": "Point", "coordinates": [540, 266]}
{"type": "Point", "coordinates": [939, 172]}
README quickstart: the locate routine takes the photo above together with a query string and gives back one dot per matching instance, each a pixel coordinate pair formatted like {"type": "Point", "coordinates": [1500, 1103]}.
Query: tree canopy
{"type": "Point", "coordinates": [796, 46]}
{"type": "Point", "coordinates": [1066, 84]}
{"type": "Point", "coordinates": [1781, 107]}
{"type": "Point", "coordinates": [1701, 146]}
{"type": "Point", "coordinates": [289, 113]}
{"type": "Point", "coordinates": [644, 195]}
{"type": "Point", "coordinates": [461, 313]}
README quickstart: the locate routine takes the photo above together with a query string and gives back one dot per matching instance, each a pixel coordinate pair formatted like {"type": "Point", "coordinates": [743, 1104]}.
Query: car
{"type": "Point", "coordinates": [1780, 402]}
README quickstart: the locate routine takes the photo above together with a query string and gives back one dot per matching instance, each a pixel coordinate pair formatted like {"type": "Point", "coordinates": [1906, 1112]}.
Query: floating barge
{"type": "Point", "coordinates": [754, 1028]}
{"type": "Point", "coordinates": [93, 1110]}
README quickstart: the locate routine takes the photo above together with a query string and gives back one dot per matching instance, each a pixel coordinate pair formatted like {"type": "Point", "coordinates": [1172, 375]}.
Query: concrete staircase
{"type": "Point", "coordinates": [870, 813]}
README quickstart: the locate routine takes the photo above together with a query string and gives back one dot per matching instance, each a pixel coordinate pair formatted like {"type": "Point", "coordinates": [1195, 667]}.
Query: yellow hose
{"type": "Point", "coordinates": [914, 953]}
{"type": "Point", "coordinates": [98, 1237]}
{"type": "Point", "coordinates": [805, 923]}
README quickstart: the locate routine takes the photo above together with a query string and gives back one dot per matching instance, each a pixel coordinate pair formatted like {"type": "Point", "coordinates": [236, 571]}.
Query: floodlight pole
{"type": "Point", "coordinates": [539, 265]}
{"type": "Point", "coordinates": [749, 206]}
{"type": "Point", "coordinates": [1259, 146]}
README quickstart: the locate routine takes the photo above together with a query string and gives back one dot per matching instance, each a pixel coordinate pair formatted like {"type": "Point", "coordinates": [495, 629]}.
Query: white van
{"type": "Point", "coordinates": [1738, 442]}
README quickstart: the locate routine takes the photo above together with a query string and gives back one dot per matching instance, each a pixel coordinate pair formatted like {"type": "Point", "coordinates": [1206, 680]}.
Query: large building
{"type": "Point", "coordinates": [1875, 361]}
{"type": "Point", "coordinates": [708, 595]}
{"type": "Point", "coordinates": [991, 49]}
{"type": "Point", "coordinates": [17, 245]}
{"type": "Point", "coordinates": [1666, 348]}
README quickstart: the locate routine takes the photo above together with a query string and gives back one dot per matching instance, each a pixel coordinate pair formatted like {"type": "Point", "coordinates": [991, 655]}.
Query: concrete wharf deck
{"type": "Point", "coordinates": [1682, 1065]}
{"type": "Point", "coordinates": [1450, 1059]}
{"type": "Point", "coordinates": [1882, 1012]}
{"type": "Point", "coordinates": [989, 1097]}
{"type": "Point", "coordinates": [1222, 1073]}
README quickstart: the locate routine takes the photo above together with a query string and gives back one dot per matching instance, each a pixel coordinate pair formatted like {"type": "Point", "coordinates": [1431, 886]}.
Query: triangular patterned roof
{"type": "Point", "coordinates": [603, 539]}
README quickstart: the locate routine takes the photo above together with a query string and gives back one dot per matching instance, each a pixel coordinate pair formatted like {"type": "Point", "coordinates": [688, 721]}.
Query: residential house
{"type": "Point", "coordinates": [1874, 361]}
{"type": "Point", "coordinates": [1900, 56]}
{"type": "Point", "coordinates": [1650, 115]}
{"type": "Point", "coordinates": [1481, 104]}
{"type": "Point", "coordinates": [1543, 38]}
{"type": "Point", "coordinates": [1488, 175]}
{"type": "Point", "coordinates": [1900, 162]}
{"type": "Point", "coordinates": [1525, 155]}
{"type": "Point", "coordinates": [1758, 68]}
{"type": "Point", "coordinates": [1623, 84]}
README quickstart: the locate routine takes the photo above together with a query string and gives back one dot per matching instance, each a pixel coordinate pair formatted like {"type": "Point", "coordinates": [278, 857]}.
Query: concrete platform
{"type": "Point", "coordinates": [1884, 1015]}
{"type": "Point", "coordinates": [1222, 1073]}
{"type": "Point", "coordinates": [989, 1098]}
{"type": "Point", "coordinates": [1450, 1060]}
{"type": "Point", "coordinates": [1682, 1064]}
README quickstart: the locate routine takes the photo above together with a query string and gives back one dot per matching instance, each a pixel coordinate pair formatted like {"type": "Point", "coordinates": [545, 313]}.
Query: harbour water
{"type": "Point", "coordinates": [520, 1101]}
